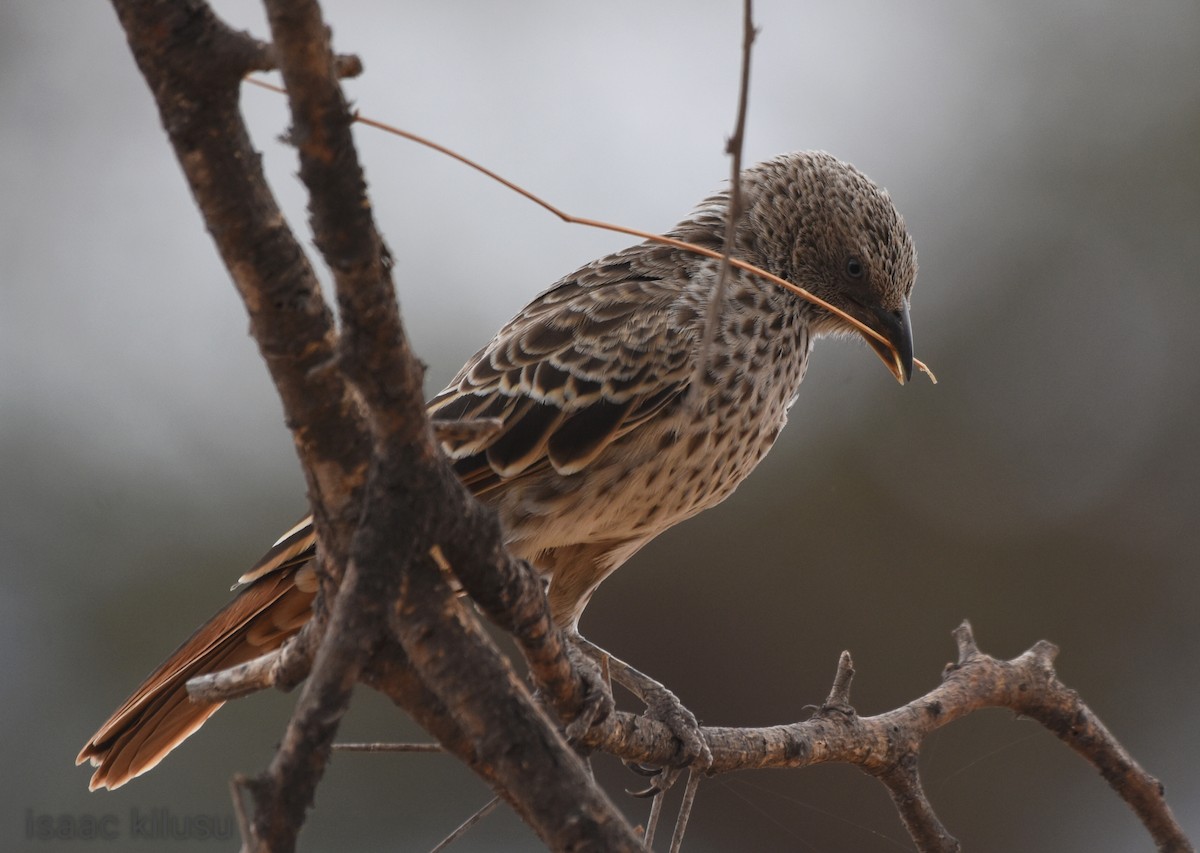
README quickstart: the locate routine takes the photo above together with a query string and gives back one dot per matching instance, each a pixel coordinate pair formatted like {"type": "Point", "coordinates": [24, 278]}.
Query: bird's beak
{"type": "Point", "coordinates": [896, 330]}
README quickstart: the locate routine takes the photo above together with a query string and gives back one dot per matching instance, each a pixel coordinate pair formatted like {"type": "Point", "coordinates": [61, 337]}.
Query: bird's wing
{"type": "Point", "coordinates": [585, 363]}
{"type": "Point", "coordinates": [293, 548]}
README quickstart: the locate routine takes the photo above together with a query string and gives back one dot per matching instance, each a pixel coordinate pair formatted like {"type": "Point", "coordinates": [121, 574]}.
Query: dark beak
{"type": "Point", "coordinates": [897, 331]}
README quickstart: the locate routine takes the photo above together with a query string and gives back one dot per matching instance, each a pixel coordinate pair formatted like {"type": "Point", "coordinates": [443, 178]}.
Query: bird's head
{"type": "Point", "coordinates": [826, 227]}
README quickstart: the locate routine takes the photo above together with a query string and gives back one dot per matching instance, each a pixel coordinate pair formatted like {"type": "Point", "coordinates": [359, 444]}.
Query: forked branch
{"type": "Point", "coordinates": [382, 496]}
{"type": "Point", "coordinates": [394, 523]}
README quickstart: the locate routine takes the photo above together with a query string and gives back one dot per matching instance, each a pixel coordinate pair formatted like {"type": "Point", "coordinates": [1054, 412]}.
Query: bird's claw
{"type": "Point", "coordinates": [665, 778]}
{"type": "Point", "coordinates": [643, 769]}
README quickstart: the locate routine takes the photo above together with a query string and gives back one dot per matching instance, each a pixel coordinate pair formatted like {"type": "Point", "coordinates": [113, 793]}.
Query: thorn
{"type": "Point", "coordinates": [965, 637]}
{"type": "Point", "coordinates": [1046, 651]}
{"type": "Point", "coordinates": [839, 694]}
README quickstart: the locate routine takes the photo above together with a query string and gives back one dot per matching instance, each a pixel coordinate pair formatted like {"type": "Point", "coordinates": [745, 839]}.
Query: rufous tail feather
{"type": "Point", "coordinates": [160, 715]}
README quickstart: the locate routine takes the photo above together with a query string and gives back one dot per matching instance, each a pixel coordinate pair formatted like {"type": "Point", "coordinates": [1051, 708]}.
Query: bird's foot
{"type": "Point", "coordinates": [663, 706]}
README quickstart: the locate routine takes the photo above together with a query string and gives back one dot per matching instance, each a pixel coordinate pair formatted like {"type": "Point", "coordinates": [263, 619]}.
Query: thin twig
{"type": "Point", "coordinates": [237, 681]}
{"type": "Point", "coordinates": [388, 747]}
{"type": "Point", "coordinates": [237, 792]}
{"type": "Point", "coordinates": [685, 809]}
{"type": "Point", "coordinates": [458, 833]}
{"type": "Point", "coordinates": [656, 806]}
{"type": "Point", "coordinates": [661, 239]}
{"type": "Point", "coordinates": [733, 147]}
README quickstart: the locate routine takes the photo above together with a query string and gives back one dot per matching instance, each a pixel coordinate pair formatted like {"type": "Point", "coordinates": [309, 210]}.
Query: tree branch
{"type": "Point", "coordinates": [393, 522]}
{"type": "Point", "coordinates": [886, 745]}
{"type": "Point", "coordinates": [194, 63]}
{"type": "Point", "coordinates": [382, 496]}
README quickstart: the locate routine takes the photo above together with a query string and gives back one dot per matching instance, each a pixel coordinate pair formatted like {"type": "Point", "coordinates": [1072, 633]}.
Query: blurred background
{"type": "Point", "coordinates": [1046, 157]}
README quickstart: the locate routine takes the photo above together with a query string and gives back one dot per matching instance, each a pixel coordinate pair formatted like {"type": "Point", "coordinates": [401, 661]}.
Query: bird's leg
{"type": "Point", "coordinates": [661, 704]}
{"type": "Point", "coordinates": [597, 687]}
{"type": "Point", "coordinates": [598, 701]}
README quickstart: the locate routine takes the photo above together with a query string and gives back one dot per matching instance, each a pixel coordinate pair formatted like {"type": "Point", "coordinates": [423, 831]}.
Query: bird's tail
{"type": "Point", "coordinates": [159, 715]}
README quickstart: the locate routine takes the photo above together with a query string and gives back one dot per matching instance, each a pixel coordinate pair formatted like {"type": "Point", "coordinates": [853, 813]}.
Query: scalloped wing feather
{"type": "Point", "coordinates": [562, 381]}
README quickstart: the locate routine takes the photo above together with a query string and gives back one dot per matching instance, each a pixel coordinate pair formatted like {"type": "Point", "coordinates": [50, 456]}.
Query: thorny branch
{"type": "Point", "coordinates": [393, 522]}
{"type": "Point", "coordinates": [886, 745]}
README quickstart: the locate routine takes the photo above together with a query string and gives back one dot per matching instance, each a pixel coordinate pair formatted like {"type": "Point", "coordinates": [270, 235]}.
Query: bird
{"type": "Point", "coordinates": [620, 411]}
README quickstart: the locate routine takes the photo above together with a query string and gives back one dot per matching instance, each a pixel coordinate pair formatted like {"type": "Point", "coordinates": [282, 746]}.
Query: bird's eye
{"type": "Point", "coordinates": [855, 268]}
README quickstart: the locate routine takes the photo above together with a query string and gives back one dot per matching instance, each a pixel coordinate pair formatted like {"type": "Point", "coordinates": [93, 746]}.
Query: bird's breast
{"type": "Point", "coordinates": [690, 457]}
